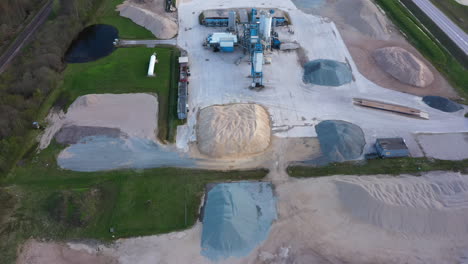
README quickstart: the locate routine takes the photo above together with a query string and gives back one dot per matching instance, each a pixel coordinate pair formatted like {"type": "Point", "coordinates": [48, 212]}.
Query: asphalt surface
{"type": "Point", "coordinates": [24, 36]}
{"type": "Point", "coordinates": [455, 33]}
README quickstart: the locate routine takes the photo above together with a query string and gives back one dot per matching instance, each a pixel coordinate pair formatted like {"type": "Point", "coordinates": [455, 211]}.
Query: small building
{"type": "Point", "coordinates": [391, 148]}
{"type": "Point", "coordinates": [221, 41]}
{"type": "Point", "coordinates": [215, 18]}
{"type": "Point", "coordinates": [152, 63]}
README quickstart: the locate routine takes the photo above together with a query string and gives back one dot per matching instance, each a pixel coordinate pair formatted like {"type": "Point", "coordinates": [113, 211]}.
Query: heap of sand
{"type": "Point", "coordinates": [133, 115]}
{"type": "Point", "coordinates": [403, 66]}
{"type": "Point", "coordinates": [148, 15]}
{"type": "Point", "coordinates": [327, 73]}
{"type": "Point", "coordinates": [233, 130]}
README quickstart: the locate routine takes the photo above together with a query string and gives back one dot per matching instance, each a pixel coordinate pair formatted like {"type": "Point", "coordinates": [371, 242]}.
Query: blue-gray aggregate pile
{"type": "Point", "coordinates": [97, 153]}
{"type": "Point", "coordinates": [237, 217]}
{"type": "Point", "coordinates": [340, 140]}
{"type": "Point", "coordinates": [442, 103]}
{"type": "Point", "coordinates": [327, 73]}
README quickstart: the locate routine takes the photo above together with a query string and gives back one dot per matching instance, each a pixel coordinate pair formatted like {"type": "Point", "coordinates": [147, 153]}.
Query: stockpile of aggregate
{"type": "Point", "coordinates": [93, 43]}
{"type": "Point", "coordinates": [327, 73]}
{"type": "Point", "coordinates": [340, 140]}
{"type": "Point", "coordinates": [234, 130]}
{"type": "Point", "coordinates": [237, 217]}
{"type": "Point", "coordinates": [403, 66]}
{"type": "Point", "coordinates": [442, 103]}
{"type": "Point", "coordinates": [73, 134]}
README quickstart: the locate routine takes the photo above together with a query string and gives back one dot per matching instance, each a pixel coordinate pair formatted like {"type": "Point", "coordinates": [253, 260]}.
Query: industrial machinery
{"type": "Point", "coordinates": [257, 36]}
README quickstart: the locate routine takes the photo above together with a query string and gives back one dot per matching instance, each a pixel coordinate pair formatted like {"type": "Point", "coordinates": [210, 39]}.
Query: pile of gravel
{"type": "Point", "coordinates": [403, 66]}
{"type": "Point", "coordinates": [340, 140]}
{"type": "Point", "coordinates": [327, 73]}
{"type": "Point", "coordinates": [73, 134]}
{"type": "Point", "coordinates": [442, 103]}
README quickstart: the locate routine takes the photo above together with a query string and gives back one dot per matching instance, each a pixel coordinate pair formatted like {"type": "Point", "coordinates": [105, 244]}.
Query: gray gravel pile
{"type": "Point", "coordinates": [327, 73]}
{"type": "Point", "coordinates": [442, 103]}
{"type": "Point", "coordinates": [73, 134]}
{"type": "Point", "coordinates": [340, 140]}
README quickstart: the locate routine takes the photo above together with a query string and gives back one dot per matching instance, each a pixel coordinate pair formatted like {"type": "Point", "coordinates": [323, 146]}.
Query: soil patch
{"type": "Point", "coordinates": [340, 140]}
{"type": "Point", "coordinates": [234, 130]}
{"type": "Point", "coordinates": [442, 103]}
{"type": "Point", "coordinates": [93, 43]}
{"type": "Point", "coordinates": [327, 73]}
{"type": "Point", "coordinates": [73, 134]}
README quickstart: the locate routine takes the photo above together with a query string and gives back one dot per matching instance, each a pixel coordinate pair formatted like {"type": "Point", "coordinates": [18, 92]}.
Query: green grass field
{"type": "Point", "coordinates": [124, 72]}
{"type": "Point", "coordinates": [379, 166]}
{"type": "Point", "coordinates": [455, 11]}
{"type": "Point", "coordinates": [106, 14]}
{"type": "Point", "coordinates": [61, 204]}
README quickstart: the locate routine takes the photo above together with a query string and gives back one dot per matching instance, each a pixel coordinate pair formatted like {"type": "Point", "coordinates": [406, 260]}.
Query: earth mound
{"type": "Point", "coordinates": [327, 73]}
{"type": "Point", "coordinates": [403, 66]}
{"type": "Point", "coordinates": [442, 103]}
{"type": "Point", "coordinates": [340, 140]}
{"type": "Point", "coordinates": [368, 20]}
{"type": "Point", "coordinates": [233, 130]}
{"type": "Point", "coordinates": [162, 26]}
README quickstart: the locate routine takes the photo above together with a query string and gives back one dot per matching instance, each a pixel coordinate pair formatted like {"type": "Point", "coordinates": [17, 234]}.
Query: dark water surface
{"type": "Point", "coordinates": [93, 43]}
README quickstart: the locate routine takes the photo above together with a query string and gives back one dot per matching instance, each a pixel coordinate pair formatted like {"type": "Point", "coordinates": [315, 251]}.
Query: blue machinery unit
{"type": "Point", "coordinates": [256, 51]}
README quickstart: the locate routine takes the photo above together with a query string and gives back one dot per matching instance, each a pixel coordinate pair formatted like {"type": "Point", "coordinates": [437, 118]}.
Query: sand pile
{"type": "Point", "coordinates": [158, 22]}
{"type": "Point", "coordinates": [327, 73]}
{"type": "Point", "coordinates": [233, 130]}
{"type": "Point", "coordinates": [403, 66]}
{"type": "Point", "coordinates": [364, 16]}
{"type": "Point", "coordinates": [442, 103]}
{"type": "Point", "coordinates": [237, 217]}
{"type": "Point", "coordinates": [428, 205]}
{"type": "Point", "coordinates": [340, 140]}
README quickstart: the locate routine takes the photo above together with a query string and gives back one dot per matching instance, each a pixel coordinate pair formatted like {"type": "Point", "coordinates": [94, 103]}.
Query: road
{"type": "Point", "coordinates": [24, 36]}
{"type": "Point", "coordinates": [148, 43]}
{"type": "Point", "coordinates": [455, 33]}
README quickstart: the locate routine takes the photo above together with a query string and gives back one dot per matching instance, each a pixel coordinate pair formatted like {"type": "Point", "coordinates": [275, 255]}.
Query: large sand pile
{"type": "Point", "coordinates": [233, 130]}
{"type": "Point", "coordinates": [151, 16]}
{"type": "Point", "coordinates": [404, 66]}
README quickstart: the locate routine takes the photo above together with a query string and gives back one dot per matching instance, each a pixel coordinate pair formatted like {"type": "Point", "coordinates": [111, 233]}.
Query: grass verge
{"type": "Point", "coordinates": [380, 166]}
{"type": "Point", "coordinates": [59, 204]}
{"type": "Point", "coordinates": [457, 12]}
{"type": "Point", "coordinates": [107, 14]}
{"type": "Point", "coordinates": [427, 44]}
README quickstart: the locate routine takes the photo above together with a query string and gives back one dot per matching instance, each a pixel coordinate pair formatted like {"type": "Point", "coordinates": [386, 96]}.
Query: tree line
{"type": "Point", "coordinates": [36, 71]}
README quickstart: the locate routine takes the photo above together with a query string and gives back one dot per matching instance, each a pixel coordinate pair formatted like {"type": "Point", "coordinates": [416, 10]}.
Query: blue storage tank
{"type": "Point", "coordinates": [391, 148]}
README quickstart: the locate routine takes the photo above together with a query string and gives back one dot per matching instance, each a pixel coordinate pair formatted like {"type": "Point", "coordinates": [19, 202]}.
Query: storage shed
{"type": "Point", "coordinates": [391, 148]}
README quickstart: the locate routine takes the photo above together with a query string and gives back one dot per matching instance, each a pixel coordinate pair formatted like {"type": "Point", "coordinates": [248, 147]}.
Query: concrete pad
{"type": "Point", "coordinates": [451, 146]}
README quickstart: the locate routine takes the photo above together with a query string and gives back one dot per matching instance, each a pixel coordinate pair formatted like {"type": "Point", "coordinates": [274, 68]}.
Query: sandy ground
{"type": "Point", "coordinates": [361, 42]}
{"type": "Point", "coordinates": [453, 146]}
{"type": "Point", "coordinates": [338, 219]}
{"type": "Point", "coordinates": [134, 114]}
{"type": "Point", "coordinates": [151, 15]}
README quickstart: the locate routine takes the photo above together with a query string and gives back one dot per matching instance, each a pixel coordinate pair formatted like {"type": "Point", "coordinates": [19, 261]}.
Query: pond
{"type": "Point", "coordinates": [93, 43]}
